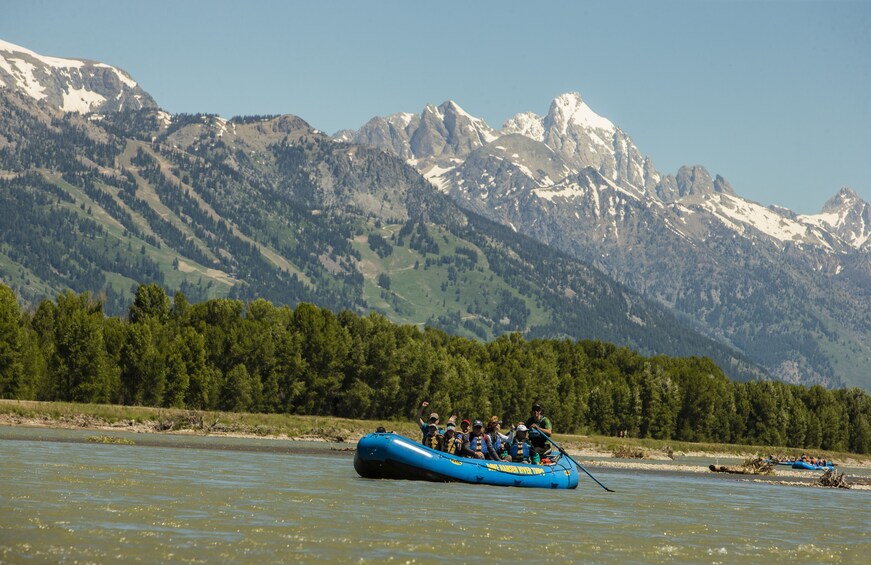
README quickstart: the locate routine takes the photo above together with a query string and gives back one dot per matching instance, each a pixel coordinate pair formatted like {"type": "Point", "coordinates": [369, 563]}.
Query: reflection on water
{"type": "Point", "coordinates": [95, 502]}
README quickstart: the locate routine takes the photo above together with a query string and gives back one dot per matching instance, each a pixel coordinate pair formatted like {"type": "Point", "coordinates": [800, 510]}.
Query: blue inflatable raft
{"type": "Point", "coordinates": [811, 467]}
{"type": "Point", "coordinates": [391, 456]}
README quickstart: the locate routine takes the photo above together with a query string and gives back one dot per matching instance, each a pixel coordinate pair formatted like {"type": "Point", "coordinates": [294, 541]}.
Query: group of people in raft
{"type": "Point", "coordinates": [818, 461]}
{"type": "Point", "coordinates": [526, 443]}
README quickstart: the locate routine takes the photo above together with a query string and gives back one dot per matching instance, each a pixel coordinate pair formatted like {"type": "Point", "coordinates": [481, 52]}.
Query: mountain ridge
{"type": "Point", "coordinates": [73, 85]}
{"type": "Point", "coordinates": [266, 206]}
{"type": "Point", "coordinates": [632, 221]}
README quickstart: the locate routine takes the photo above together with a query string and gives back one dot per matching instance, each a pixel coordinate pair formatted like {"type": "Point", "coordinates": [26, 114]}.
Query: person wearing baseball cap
{"type": "Point", "coordinates": [433, 419]}
{"type": "Point", "coordinates": [540, 428]}
{"type": "Point", "coordinates": [478, 445]}
{"type": "Point", "coordinates": [433, 438]}
{"type": "Point", "coordinates": [465, 429]}
{"type": "Point", "coordinates": [452, 442]}
{"type": "Point", "coordinates": [520, 450]}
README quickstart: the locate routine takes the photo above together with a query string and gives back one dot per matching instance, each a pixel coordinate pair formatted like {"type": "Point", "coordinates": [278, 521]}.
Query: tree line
{"type": "Point", "coordinates": [230, 355]}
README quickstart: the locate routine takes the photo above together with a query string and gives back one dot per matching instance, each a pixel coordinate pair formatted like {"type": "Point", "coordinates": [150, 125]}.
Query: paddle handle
{"type": "Point", "coordinates": [581, 467]}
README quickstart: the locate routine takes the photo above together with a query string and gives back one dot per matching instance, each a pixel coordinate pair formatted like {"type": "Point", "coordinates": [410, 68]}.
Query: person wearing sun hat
{"type": "Point", "coordinates": [492, 430]}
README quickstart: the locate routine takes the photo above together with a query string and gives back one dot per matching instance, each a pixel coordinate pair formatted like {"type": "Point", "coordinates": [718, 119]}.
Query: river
{"type": "Point", "coordinates": [212, 500]}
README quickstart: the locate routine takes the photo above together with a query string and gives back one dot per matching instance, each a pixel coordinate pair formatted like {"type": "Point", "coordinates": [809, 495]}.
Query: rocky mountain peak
{"type": "Point", "coordinates": [449, 131]}
{"type": "Point", "coordinates": [72, 85]}
{"type": "Point", "coordinates": [722, 185]}
{"type": "Point", "coordinates": [392, 133]}
{"type": "Point", "coordinates": [527, 124]}
{"type": "Point", "coordinates": [569, 109]}
{"type": "Point", "coordinates": [845, 198]}
{"type": "Point", "coordinates": [697, 180]}
{"type": "Point", "coordinates": [849, 217]}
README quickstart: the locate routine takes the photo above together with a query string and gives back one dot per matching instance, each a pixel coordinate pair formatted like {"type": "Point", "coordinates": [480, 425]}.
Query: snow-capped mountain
{"type": "Point", "coordinates": [461, 155]}
{"type": "Point", "coordinates": [790, 292]}
{"type": "Point", "coordinates": [72, 85]}
{"type": "Point", "coordinates": [847, 216]}
{"type": "Point", "coordinates": [575, 180]}
{"type": "Point", "coordinates": [584, 139]}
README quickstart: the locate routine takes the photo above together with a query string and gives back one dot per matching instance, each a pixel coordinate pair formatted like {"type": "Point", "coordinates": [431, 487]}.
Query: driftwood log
{"type": "Point", "coordinates": [834, 479]}
{"type": "Point", "coordinates": [751, 466]}
{"type": "Point", "coordinates": [628, 452]}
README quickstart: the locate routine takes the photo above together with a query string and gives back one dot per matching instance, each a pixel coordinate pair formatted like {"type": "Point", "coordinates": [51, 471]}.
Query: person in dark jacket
{"type": "Point", "coordinates": [465, 429]}
{"type": "Point", "coordinates": [478, 445]}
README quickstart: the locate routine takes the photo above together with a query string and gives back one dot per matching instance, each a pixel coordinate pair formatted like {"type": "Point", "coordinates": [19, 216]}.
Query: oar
{"type": "Point", "coordinates": [581, 467]}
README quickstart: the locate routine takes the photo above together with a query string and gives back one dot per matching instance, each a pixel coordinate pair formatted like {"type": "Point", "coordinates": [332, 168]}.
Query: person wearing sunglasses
{"type": "Point", "coordinates": [540, 428]}
{"type": "Point", "coordinates": [478, 445]}
{"type": "Point", "coordinates": [452, 442]}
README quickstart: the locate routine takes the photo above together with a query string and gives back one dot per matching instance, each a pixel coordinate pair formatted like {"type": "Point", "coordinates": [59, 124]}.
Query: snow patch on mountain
{"type": "Point", "coordinates": [848, 216]}
{"type": "Point", "coordinates": [72, 85]}
{"type": "Point", "coordinates": [741, 214]}
{"type": "Point", "coordinates": [402, 118]}
{"type": "Point", "coordinates": [570, 108]}
{"type": "Point", "coordinates": [23, 71]}
{"type": "Point", "coordinates": [56, 62]}
{"type": "Point", "coordinates": [527, 124]}
{"type": "Point", "coordinates": [81, 100]}
{"type": "Point", "coordinates": [437, 175]}
{"type": "Point", "coordinates": [476, 126]}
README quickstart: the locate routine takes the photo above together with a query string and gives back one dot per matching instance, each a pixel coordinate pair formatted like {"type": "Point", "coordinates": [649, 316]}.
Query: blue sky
{"type": "Point", "coordinates": [774, 96]}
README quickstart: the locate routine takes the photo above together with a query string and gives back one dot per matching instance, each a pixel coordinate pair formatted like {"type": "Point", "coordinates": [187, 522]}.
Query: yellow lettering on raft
{"type": "Point", "coordinates": [517, 470]}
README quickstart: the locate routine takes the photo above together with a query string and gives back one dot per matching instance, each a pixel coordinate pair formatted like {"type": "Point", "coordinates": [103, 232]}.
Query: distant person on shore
{"type": "Point", "coordinates": [540, 428]}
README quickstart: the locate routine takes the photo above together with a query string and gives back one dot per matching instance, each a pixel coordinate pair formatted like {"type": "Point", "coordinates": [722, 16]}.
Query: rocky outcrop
{"type": "Point", "coordinates": [71, 85]}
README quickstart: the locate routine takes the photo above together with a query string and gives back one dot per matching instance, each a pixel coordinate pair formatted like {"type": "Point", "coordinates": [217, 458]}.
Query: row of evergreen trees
{"type": "Point", "coordinates": [224, 354]}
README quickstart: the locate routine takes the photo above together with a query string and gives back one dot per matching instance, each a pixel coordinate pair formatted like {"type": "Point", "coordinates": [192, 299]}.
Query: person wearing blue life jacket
{"type": "Point", "coordinates": [478, 445]}
{"type": "Point", "coordinates": [519, 450]}
{"type": "Point", "coordinates": [492, 430]}
{"type": "Point", "coordinates": [465, 430]}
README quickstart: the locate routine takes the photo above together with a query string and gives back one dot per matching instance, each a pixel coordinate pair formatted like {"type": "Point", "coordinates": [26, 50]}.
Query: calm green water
{"type": "Point", "coordinates": [79, 502]}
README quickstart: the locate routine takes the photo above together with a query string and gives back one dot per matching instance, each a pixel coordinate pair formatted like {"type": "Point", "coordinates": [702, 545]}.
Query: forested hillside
{"type": "Point", "coordinates": [229, 355]}
{"type": "Point", "coordinates": [266, 207]}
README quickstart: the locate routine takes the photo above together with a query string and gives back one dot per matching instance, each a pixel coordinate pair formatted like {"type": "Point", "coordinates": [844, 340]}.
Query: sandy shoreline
{"type": "Point", "coordinates": [591, 458]}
